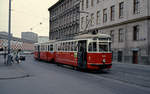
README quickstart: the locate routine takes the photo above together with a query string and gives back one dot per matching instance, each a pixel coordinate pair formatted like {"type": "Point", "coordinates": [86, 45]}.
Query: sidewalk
{"type": "Point", "coordinates": [139, 66]}
{"type": "Point", "coordinates": [131, 73]}
{"type": "Point", "coordinates": [10, 72]}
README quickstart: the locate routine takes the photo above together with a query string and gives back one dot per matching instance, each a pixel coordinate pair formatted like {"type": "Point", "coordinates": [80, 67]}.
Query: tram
{"type": "Point", "coordinates": [85, 52]}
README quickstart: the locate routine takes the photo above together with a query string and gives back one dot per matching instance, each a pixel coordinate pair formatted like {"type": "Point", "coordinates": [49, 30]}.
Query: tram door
{"type": "Point", "coordinates": [82, 54]}
{"type": "Point", "coordinates": [38, 52]}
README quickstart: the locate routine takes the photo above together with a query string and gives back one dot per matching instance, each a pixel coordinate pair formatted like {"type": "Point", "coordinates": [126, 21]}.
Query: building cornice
{"type": "Point", "coordinates": [121, 23]}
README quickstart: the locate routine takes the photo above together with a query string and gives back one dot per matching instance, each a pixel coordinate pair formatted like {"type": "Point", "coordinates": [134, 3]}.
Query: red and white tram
{"type": "Point", "coordinates": [86, 52]}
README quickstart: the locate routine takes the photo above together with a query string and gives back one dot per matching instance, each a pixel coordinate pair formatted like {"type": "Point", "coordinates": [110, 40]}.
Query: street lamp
{"type": "Point", "coordinates": [9, 36]}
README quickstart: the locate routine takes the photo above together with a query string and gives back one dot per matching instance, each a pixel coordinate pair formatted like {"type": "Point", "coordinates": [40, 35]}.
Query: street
{"type": "Point", "coordinates": [47, 78]}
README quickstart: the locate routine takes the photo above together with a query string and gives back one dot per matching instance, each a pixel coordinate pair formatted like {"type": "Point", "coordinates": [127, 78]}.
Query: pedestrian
{"type": "Point", "coordinates": [5, 54]}
{"type": "Point", "coordinates": [11, 55]}
{"type": "Point", "coordinates": [18, 56]}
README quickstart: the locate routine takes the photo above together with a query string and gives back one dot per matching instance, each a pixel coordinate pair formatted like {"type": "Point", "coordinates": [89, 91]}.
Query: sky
{"type": "Point", "coordinates": [26, 14]}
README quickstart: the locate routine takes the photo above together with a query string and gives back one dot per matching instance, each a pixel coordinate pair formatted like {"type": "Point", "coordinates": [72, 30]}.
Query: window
{"type": "Point", "coordinates": [92, 47]}
{"type": "Point", "coordinates": [98, 17]}
{"type": "Point", "coordinates": [82, 4]}
{"type": "Point", "coordinates": [48, 47]}
{"type": "Point", "coordinates": [136, 5]}
{"type": "Point", "coordinates": [82, 21]}
{"type": "Point", "coordinates": [112, 35]}
{"type": "Point", "coordinates": [120, 54]}
{"type": "Point", "coordinates": [136, 30]}
{"type": "Point", "coordinates": [92, 19]}
{"type": "Point", "coordinates": [105, 15]}
{"type": "Point", "coordinates": [75, 46]}
{"type": "Point", "coordinates": [51, 47]}
{"type": "Point", "coordinates": [120, 36]}
{"type": "Point", "coordinates": [92, 3]}
{"type": "Point", "coordinates": [121, 10]}
{"type": "Point", "coordinates": [103, 46]}
{"type": "Point", "coordinates": [86, 19]}
{"type": "Point", "coordinates": [112, 13]}
{"type": "Point", "coordinates": [87, 3]}
{"type": "Point", "coordinates": [98, 1]}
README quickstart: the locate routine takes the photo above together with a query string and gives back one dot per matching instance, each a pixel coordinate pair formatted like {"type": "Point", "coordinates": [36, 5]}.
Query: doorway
{"type": "Point", "coordinates": [135, 57]}
{"type": "Point", "coordinates": [82, 53]}
{"type": "Point", "coordinates": [120, 56]}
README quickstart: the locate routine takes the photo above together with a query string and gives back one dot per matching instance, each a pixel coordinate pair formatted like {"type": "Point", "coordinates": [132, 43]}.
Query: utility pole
{"type": "Point", "coordinates": [9, 36]}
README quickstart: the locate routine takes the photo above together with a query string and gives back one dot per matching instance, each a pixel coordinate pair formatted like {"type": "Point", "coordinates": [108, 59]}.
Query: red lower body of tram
{"type": "Point", "coordinates": [45, 56]}
{"type": "Point", "coordinates": [92, 61]}
{"type": "Point", "coordinates": [67, 58]}
{"type": "Point", "coordinates": [99, 60]}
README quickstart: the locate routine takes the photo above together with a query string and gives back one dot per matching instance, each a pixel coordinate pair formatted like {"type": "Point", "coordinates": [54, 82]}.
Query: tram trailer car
{"type": "Point", "coordinates": [44, 51]}
{"type": "Point", "coordinates": [86, 52]}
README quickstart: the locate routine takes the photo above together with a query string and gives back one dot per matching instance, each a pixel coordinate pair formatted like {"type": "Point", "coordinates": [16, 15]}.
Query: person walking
{"type": "Point", "coordinates": [12, 59]}
{"type": "Point", "coordinates": [18, 56]}
{"type": "Point", "coordinates": [5, 54]}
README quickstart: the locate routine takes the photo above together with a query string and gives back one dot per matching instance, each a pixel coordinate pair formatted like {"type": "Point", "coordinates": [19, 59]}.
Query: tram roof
{"type": "Point", "coordinates": [50, 41]}
{"type": "Point", "coordinates": [89, 36]}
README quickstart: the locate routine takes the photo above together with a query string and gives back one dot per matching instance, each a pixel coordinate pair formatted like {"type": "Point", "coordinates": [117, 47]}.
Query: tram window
{"type": "Point", "coordinates": [62, 46]}
{"type": "Point", "coordinates": [65, 47]}
{"type": "Point", "coordinates": [92, 47]}
{"type": "Point", "coordinates": [48, 48]}
{"type": "Point", "coordinates": [44, 47]}
{"type": "Point", "coordinates": [103, 47]}
{"type": "Point", "coordinates": [69, 48]}
{"type": "Point", "coordinates": [72, 46]}
{"type": "Point", "coordinates": [57, 47]}
{"type": "Point", "coordinates": [75, 46]}
{"type": "Point", "coordinates": [51, 47]}
{"type": "Point", "coordinates": [110, 47]}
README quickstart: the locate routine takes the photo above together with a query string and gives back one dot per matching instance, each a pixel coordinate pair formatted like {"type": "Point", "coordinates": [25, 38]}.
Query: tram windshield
{"type": "Point", "coordinates": [99, 46]}
{"type": "Point", "coordinates": [103, 47]}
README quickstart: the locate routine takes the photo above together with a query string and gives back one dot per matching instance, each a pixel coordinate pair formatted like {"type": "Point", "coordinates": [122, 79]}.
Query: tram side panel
{"type": "Point", "coordinates": [50, 56]}
{"type": "Point", "coordinates": [43, 55]}
{"type": "Point", "coordinates": [68, 58]}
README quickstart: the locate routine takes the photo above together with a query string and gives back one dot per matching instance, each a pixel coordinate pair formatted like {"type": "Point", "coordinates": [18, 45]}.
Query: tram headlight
{"type": "Point", "coordinates": [104, 61]}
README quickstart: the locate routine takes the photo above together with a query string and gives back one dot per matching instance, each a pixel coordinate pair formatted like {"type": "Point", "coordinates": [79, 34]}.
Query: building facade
{"type": "Point", "coordinates": [64, 19]}
{"type": "Point", "coordinates": [29, 36]}
{"type": "Point", "coordinates": [127, 21]}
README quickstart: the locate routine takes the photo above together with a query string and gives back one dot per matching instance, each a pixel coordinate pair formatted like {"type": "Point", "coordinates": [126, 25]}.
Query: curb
{"type": "Point", "coordinates": [17, 77]}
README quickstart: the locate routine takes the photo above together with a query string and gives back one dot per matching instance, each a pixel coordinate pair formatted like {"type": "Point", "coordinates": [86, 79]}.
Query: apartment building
{"type": "Point", "coordinates": [64, 19]}
{"type": "Point", "coordinates": [127, 21]}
